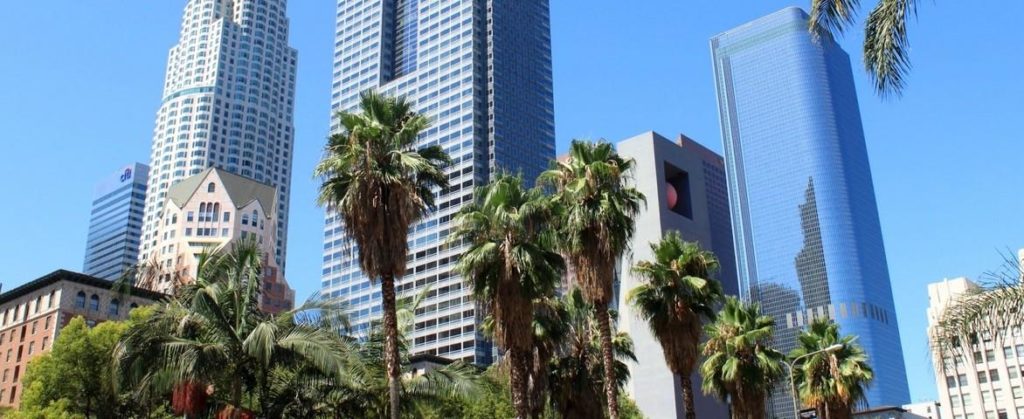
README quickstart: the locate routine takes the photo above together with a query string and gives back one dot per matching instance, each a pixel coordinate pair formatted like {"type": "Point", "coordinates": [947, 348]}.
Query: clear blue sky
{"type": "Point", "coordinates": [80, 82]}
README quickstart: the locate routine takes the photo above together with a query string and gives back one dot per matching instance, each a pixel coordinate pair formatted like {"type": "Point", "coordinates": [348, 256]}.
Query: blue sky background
{"type": "Point", "coordinates": [80, 83]}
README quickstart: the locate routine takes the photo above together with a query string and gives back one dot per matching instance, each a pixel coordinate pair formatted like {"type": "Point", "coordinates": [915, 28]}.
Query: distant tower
{"type": "Point", "coordinates": [115, 224]}
{"type": "Point", "coordinates": [805, 222]}
{"type": "Point", "coordinates": [227, 103]}
{"type": "Point", "coordinates": [481, 71]}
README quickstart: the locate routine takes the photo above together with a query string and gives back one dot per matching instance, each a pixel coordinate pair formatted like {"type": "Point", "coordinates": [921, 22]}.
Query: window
{"type": "Point", "coordinates": [115, 307]}
{"type": "Point", "coordinates": [954, 401]}
{"type": "Point", "coordinates": [133, 306]}
{"type": "Point", "coordinates": [977, 357]}
{"type": "Point", "coordinates": [80, 300]}
{"type": "Point", "coordinates": [5, 375]}
{"type": "Point", "coordinates": [94, 303]}
{"type": "Point", "coordinates": [190, 216]}
{"type": "Point", "coordinates": [188, 232]}
{"type": "Point", "coordinates": [39, 302]}
{"type": "Point", "coordinates": [1008, 352]}
{"type": "Point", "coordinates": [35, 324]}
{"type": "Point", "coordinates": [53, 299]}
{"type": "Point", "coordinates": [982, 377]}
{"type": "Point", "coordinates": [998, 394]}
{"type": "Point", "coordinates": [46, 323]}
{"type": "Point", "coordinates": [963, 379]}
{"type": "Point", "coordinates": [986, 397]}
{"type": "Point", "coordinates": [1020, 351]}
{"type": "Point", "coordinates": [31, 347]}
{"type": "Point", "coordinates": [245, 220]}
{"type": "Point", "coordinates": [1013, 373]}
{"type": "Point", "coordinates": [950, 381]}
{"type": "Point", "coordinates": [46, 339]}
{"type": "Point", "coordinates": [993, 375]}
{"type": "Point", "coordinates": [990, 355]}
{"type": "Point", "coordinates": [9, 352]}
{"type": "Point", "coordinates": [1017, 392]}
{"type": "Point", "coordinates": [227, 216]}
{"type": "Point", "coordinates": [967, 399]}
{"type": "Point", "coordinates": [211, 187]}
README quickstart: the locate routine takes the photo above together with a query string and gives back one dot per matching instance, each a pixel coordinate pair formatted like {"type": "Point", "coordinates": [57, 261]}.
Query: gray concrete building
{"type": "Point", "coordinates": [684, 183]}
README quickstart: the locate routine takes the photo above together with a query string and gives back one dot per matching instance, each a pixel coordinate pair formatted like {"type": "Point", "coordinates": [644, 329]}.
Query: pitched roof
{"type": "Point", "coordinates": [242, 190]}
{"type": "Point", "coordinates": [80, 278]}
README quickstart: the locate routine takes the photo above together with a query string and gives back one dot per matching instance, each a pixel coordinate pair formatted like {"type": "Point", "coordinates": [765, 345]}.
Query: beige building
{"type": "Point", "coordinates": [985, 382]}
{"type": "Point", "coordinates": [32, 315]}
{"type": "Point", "coordinates": [210, 211]}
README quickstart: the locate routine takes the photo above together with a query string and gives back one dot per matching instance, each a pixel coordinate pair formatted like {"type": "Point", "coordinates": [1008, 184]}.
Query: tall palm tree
{"type": "Point", "coordinates": [380, 185]}
{"type": "Point", "coordinates": [597, 213]}
{"type": "Point", "coordinates": [886, 46]}
{"type": "Point", "coordinates": [740, 365]}
{"type": "Point", "coordinates": [832, 382]}
{"type": "Point", "coordinates": [576, 371]}
{"type": "Point", "coordinates": [677, 296]}
{"type": "Point", "coordinates": [213, 333]}
{"type": "Point", "coordinates": [510, 263]}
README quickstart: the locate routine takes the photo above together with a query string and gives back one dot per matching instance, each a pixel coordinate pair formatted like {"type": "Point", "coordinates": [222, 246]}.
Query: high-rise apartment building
{"type": "Point", "coordinates": [210, 212]}
{"type": "Point", "coordinates": [805, 221]}
{"type": "Point", "coordinates": [227, 103]}
{"type": "Point", "coordinates": [983, 382]}
{"type": "Point", "coordinates": [481, 71]}
{"type": "Point", "coordinates": [115, 224]}
{"type": "Point", "coordinates": [684, 183]}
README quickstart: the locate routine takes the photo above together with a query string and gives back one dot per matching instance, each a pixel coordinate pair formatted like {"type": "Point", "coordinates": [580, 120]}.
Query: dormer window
{"type": "Point", "coordinates": [211, 188]}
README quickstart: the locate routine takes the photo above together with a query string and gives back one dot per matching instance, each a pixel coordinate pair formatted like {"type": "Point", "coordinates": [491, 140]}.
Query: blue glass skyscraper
{"type": "Point", "coordinates": [115, 224]}
{"type": "Point", "coordinates": [481, 71]}
{"type": "Point", "coordinates": [805, 222]}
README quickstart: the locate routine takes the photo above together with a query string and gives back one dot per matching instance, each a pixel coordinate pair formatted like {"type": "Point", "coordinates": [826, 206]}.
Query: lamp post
{"type": "Point", "coordinates": [792, 381]}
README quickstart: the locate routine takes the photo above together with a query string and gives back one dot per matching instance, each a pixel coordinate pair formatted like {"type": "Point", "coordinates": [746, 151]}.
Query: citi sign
{"type": "Point", "coordinates": [127, 174]}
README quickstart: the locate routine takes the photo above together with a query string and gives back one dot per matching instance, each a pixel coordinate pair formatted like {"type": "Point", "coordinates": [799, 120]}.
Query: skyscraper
{"type": "Point", "coordinates": [227, 103]}
{"type": "Point", "coordinates": [115, 224]}
{"type": "Point", "coordinates": [481, 71]}
{"type": "Point", "coordinates": [805, 222]}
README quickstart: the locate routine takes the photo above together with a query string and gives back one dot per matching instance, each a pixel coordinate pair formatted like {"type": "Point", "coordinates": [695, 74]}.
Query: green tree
{"type": "Point", "coordinates": [380, 185]}
{"type": "Point", "coordinates": [509, 264]}
{"type": "Point", "coordinates": [740, 365]}
{"type": "Point", "coordinates": [886, 46]}
{"type": "Point", "coordinates": [676, 297]}
{"type": "Point", "coordinates": [832, 382]}
{"type": "Point", "coordinates": [213, 333]}
{"type": "Point", "coordinates": [596, 223]}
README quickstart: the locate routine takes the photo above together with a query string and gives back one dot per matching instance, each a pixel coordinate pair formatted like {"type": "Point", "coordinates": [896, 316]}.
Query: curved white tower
{"type": "Point", "coordinates": [227, 103]}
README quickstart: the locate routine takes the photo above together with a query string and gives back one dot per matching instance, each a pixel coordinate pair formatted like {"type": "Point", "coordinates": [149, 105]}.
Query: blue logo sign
{"type": "Point", "coordinates": [127, 174]}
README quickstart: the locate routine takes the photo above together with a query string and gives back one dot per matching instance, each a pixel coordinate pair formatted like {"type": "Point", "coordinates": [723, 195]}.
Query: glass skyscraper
{"type": "Point", "coordinates": [115, 224]}
{"type": "Point", "coordinates": [481, 71]}
{"type": "Point", "coordinates": [805, 222]}
{"type": "Point", "coordinates": [227, 103]}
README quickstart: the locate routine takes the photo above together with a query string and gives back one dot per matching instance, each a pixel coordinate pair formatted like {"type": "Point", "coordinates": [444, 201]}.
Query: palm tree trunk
{"type": "Point", "coordinates": [687, 385]}
{"type": "Point", "coordinates": [610, 387]}
{"type": "Point", "coordinates": [391, 358]}
{"type": "Point", "coordinates": [519, 377]}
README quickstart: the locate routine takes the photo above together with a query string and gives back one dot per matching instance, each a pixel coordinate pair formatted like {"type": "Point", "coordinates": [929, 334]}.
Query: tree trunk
{"type": "Point", "coordinates": [519, 377]}
{"type": "Point", "coordinates": [610, 387]}
{"type": "Point", "coordinates": [391, 358]}
{"type": "Point", "coordinates": [687, 385]}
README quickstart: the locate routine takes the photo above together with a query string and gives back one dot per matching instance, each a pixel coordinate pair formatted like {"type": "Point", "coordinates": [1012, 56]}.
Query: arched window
{"type": "Point", "coordinates": [211, 187]}
{"type": "Point", "coordinates": [174, 219]}
{"type": "Point", "coordinates": [39, 302]}
{"type": "Point", "coordinates": [115, 307]}
{"type": "Point", "coordinates": [94, 303]}
{"type": "Point", "coordinates": [216, 210]}
{"type": "Point", "coordinates": [53, 299]}
{"type": "Point", "coordinates": [80, 300]}
{"type": "Point", "coordinates": [202, 210]}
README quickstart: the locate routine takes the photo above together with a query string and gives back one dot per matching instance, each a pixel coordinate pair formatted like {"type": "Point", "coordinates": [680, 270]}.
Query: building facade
{"type": "Point", "coordinates": [481, 71]}
{"type": "Point", "coordinates": [805, 221]}
{"type": "Point", "coordinates": [227, 102]}
{"type": "Point", "coordinates": [684, 183]}
{"type": "Point", "coordinates": [210, 212]}
{"type": "Point", "coordinates": [927, 410]}
{"type": "Point", "coordinates": [32, 315]}
{"type": "Point", "coordinates": [115, 223]}
{"type": "Point", "coordinates": [985, 382]}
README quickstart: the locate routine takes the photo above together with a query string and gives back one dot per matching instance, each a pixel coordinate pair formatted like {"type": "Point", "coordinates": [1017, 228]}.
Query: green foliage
{"type": "Point", "coordinates": [57, 409]}
{"type": "Point", "coordinates": [628, 408]}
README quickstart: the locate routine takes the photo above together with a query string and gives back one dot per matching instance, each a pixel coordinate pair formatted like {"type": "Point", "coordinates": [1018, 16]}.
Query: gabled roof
{"type": "Point", "coordinates": [242, 190]}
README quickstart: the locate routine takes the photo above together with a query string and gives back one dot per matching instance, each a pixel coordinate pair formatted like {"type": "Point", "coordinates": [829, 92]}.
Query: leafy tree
{"type": "Point", "coordinates": [595, 225]}
{"type": "Point", "coordinates": [676, 297]}
{"type": "Point", "coordinates": [740, 365]}
{"type": "Point", "coordinates": [510, 263]}
{"type": "Point", "coordinates": [832, 382]}
{"type": "Point", "coordinates": [380, 186]}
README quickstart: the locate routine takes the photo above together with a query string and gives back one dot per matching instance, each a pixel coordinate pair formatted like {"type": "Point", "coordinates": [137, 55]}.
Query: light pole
{"type": "Point", "coordinates": [792, 381]}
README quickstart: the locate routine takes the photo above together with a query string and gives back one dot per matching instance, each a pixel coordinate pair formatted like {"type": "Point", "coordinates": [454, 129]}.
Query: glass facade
{"type": "Point", "coordinates": [481, 71]}
{"type": "Point", "coordinates": [115, 224]}
{"type": "Point", "coordinates": [805, 221]}
{"type": "Point", "coordinates": [227, 103]}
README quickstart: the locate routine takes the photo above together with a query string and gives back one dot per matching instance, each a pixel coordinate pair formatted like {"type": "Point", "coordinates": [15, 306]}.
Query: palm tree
{"type": "Point", "coordinates": [510, 263]}
{"type": "Point", "coordinates": [886, 47]}
{"type": "Point", "coordinates": [576, 371]}
{"type": "Point", "coordinates": [596, 223]}
{"type": "Point", "coordinates": [213, 334]}
{"type": "Point", "coordinates": [677, 296]}
{"type": "Point", "coordinates": [380, 185]}
{"type": "Point", "coordinates": [831, 381]}
{"type": "Point", "coordinates": [740, 366]}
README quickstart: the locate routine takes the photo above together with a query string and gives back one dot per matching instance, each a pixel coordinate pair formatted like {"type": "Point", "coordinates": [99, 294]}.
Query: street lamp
{"type": "Point", "coordinates": [792, 381]}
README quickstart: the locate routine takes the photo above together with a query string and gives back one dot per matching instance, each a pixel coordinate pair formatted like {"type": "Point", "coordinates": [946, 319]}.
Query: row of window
{"type": "Point", "coordinates": [113, 309]}
{"type": "Point", "coordinates": [20, 312]}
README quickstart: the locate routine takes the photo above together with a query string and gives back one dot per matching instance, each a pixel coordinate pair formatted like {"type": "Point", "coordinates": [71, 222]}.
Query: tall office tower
{"type": "Point", "coordinates": [805, 222]}
{"type": "Point", "coordinates": [684, 183]}
{"type": "Point", "coordinates": [985, 380]}
{"type": "Point", "coordinates": [115, 225]}
{"type": "Point", "coordinates": [481, 71]}
{"type": "Point", "coordinates": [227, 103]}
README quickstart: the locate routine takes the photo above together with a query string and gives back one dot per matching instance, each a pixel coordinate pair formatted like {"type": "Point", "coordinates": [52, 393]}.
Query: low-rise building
{"type": "Point", "coordinates": [32, 315]}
